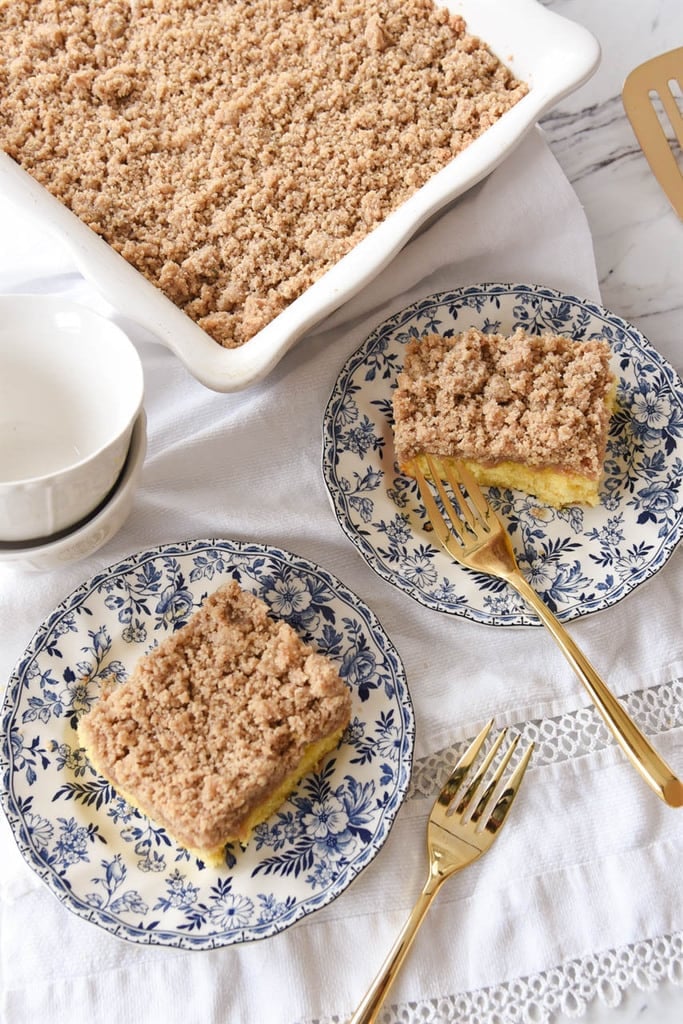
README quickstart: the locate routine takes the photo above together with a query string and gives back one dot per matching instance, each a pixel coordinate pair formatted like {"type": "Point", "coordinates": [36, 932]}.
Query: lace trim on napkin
{"type": "Point", "coordinates": [571, 987]}
{"type": "Point", "coordinates": [656, 710]}
{"type": "Point", "coordinates": [568, 989]}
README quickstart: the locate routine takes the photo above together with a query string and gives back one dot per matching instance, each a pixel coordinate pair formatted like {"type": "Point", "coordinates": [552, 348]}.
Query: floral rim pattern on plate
{"type": "Point", "coordinates": [107, 862]}
{"type": "Point", "coordinates": [580, 560]}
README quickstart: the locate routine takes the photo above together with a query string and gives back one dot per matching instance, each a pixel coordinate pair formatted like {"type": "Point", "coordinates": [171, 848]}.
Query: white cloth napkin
{"type": "Point", "coordinates": [588, 868]}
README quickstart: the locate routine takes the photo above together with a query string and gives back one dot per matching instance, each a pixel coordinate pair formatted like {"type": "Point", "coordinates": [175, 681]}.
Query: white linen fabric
{"type": "Point", "coordinates": [581, 896]}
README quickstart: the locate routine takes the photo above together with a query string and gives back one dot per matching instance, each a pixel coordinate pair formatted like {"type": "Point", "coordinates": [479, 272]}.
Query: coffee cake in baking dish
{"type": "Point", "coordinates": [234, 150]}
{"type": "Point", "coordinates": [523, 411]}
{"type": "Point", "coordinates": [216, 725]}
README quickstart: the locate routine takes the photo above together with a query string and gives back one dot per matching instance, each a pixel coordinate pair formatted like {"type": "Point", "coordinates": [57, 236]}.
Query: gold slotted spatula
{"type": "Point", "coordinates": [654, 83]}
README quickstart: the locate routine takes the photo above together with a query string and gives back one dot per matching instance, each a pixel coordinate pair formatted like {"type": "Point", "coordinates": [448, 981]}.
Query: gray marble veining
{"type": "Point", "coordinates": [638, 239]}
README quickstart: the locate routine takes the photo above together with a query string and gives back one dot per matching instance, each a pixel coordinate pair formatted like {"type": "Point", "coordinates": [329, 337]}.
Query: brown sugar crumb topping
{"type": "Point", "coordinates": [212, 720]}
{"type": "Point", "coordinates": [542, 401]}
{"type": "Point", "coordinates": [234, 150]}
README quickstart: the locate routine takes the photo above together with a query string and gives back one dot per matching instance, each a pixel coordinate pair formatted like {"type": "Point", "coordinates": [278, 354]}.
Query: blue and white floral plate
{"type": "Point", "coordinates": [108, 863]}
{"type": "Point", "coordinates": [580, 560]}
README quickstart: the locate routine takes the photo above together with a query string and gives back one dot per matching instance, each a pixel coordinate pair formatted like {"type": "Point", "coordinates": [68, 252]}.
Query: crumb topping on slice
{"type": "Point", "coordinates": [542, 401]}
{"type": "Point", "coordinates": [212, 720]}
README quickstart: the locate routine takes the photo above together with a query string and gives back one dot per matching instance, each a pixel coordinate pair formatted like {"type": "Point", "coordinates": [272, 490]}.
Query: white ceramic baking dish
{"type": "Point", "coordinates": [551, 54]}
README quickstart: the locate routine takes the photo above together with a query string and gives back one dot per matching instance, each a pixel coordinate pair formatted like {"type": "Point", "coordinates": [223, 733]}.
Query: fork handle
{"type": "Point", "coordinates": [637, 748]}
{"type": "Point", "coordinates": [372, 1002]}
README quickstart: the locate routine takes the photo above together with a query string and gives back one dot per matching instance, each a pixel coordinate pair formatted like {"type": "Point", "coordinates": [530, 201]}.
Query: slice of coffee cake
{"type": "Point", "coordinates": [525, 411]}
{"type": "Point", "coordinates": [216, 725]}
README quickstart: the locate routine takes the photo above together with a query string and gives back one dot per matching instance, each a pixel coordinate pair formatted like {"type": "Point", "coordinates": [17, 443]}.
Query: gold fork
{"type": "Point", "coordinates": [477, 539]}
{"type": "Point", "coordinates": [462, 825]}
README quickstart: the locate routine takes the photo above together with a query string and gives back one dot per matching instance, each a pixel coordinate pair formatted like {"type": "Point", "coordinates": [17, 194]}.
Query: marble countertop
{"type": "Point", "coordinates": [638, 242]}
{"type": "Point", "coordinates": [637, 236]}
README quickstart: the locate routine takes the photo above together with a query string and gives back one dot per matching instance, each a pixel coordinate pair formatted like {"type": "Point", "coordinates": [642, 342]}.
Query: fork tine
{"type": "Point", "coordinates": [485, 799]}
{"type": "Point", "coordinates": [504, 802]}
{"type": "Point", "coordinates": [459, 523]}
{"type": "Point", "coordinates": [437, 520]}
{"type": "Point", "coordinates": [460, 519]}
{"type": "Point", "coordinates": [466, 479]}
{"type": "Point", "coordinates": [465, 801]}
{"type": "Point", "coordinates": [455, 482]}
{"type": "Point", "coordinates": [454, 782]}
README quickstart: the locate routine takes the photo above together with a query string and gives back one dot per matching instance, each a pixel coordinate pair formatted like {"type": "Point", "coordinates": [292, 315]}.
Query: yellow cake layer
{"type": "Point", "coordinates": [548, 485]}
{"type": "Point", "coordinates": [215, 856]}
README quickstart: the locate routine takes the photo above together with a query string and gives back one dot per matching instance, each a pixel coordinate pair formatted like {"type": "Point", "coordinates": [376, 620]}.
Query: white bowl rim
{"type": "Point", "coordinates": [12, 551]}
{"type": "Point", "coordinates": [54, 304]}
